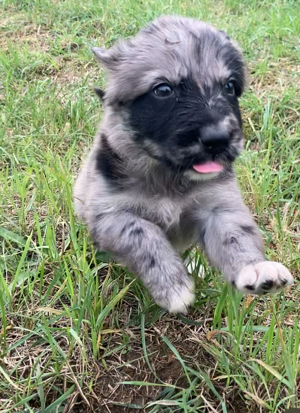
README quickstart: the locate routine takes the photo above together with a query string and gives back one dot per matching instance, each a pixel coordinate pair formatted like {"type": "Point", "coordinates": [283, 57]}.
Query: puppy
{"type": "Point", "coordinates": [159, 176]}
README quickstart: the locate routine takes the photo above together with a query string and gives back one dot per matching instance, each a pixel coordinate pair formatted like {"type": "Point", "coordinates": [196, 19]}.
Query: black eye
{"type": "Point", "coordinates": [163, 90]}
{"type": "Point", "coordinates": [229, 88]}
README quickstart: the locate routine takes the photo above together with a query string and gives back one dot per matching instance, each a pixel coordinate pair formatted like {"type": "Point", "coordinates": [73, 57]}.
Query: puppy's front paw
{"type": "Point", "coordinates": [181, 300]}
{"type": "Point", "coordinates": [264, 277]}
{"type": "Point", "coordinates": [177, 298]}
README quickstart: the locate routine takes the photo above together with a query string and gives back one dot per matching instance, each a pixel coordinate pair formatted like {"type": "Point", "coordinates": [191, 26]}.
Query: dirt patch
{"type": "Point", "coordinates": [278, 77]}
{"type": "Point", "coordinates": [20, 33]}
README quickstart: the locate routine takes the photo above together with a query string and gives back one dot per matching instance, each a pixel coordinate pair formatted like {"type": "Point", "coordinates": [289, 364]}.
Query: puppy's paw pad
{"type": "Point", "coordinates": [181, 299]}
{"type": "Point", "coordinates": [264, 277]}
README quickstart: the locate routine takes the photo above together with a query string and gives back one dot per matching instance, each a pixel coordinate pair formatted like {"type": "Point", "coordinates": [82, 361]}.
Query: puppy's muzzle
{"type": "Point", "coordinates": [215, 138]}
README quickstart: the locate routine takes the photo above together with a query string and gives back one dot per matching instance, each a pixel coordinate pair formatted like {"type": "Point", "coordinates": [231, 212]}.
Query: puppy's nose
{"type": "Point", "coordinates": [215, 138]}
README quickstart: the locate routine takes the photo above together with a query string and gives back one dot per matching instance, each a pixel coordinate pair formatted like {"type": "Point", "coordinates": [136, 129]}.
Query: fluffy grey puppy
{"type": "Point", "coordinates": [159, 177]}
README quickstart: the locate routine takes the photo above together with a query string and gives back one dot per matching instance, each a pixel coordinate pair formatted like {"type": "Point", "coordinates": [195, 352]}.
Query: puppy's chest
{"type": "Point", "coordinates": [163, 211]}
{"type": "Point", "coordinates": [167, 212]}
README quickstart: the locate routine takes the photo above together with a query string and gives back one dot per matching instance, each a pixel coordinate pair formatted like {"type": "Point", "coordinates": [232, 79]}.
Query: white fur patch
{"type": "Point", "coordinates": [264, 277]}
{"type": "Point", "coordinates": [196, 176]}
{"type": "Point", "coordinates": [182, 300]}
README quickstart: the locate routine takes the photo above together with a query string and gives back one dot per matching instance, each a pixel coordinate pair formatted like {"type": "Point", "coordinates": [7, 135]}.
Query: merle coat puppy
{"type": "Point", "coordinates": [159, 176]}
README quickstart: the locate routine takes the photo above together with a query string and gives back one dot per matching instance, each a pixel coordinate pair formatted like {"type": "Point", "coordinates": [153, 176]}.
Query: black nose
{"type": "Point", "coordinates": [215, 138]}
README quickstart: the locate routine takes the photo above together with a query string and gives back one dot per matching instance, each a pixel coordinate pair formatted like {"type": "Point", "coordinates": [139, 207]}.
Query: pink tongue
{"type": "Point", "coordinates": [208, 167]}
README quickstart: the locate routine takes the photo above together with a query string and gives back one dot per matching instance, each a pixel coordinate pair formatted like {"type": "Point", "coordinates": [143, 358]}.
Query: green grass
{"type": "Point", "coordinates": [77, 332]}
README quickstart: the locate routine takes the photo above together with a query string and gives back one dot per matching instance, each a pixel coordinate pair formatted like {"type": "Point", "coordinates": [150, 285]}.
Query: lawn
{"type": "Point", "coordinates": [78, 333]}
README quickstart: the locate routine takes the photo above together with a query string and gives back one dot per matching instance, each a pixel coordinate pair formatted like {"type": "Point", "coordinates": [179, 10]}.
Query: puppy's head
{"type": "Point", "coordinates": [177, 86]}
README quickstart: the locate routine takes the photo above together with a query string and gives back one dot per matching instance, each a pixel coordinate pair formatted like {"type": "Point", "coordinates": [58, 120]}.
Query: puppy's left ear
{"type": "Point", "coordinates": [244, 74]}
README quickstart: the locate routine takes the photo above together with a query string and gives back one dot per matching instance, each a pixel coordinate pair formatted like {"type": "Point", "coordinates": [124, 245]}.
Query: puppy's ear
{"type": "Point", "coordinates": [100, 93]}
{"type": "Point", "coordinates": [245, 74]}
{"type": "Point", "coordinates": [103, 56]}
{"type": "Point", "coordinates": [110, 58]}
{"type": "Point", "coordinates": [225, 34]}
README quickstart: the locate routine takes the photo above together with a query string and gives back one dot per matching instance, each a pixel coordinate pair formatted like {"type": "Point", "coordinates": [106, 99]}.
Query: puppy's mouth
{"type": "Point", "coordinates": [208, 167]}
{"type": "Point", "coordinates": [193, 159]}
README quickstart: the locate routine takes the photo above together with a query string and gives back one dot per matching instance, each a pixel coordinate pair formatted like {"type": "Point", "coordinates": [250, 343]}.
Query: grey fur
{"type": "Point", "coordinates": [155, 214]}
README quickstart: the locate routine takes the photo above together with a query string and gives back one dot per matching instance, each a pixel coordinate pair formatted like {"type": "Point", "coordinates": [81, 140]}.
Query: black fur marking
{"type": "Point", "coordinates": [127, 227]}
{"type": "Point", "coordinates": [152, 262]}
{"type": "Point", "coordinates": [250, 287]}
{"type": "Point", "coordinates": [248, 229]}
{"type": "Point", "coordinates": [217, 210]}
{"type": "Point", "coordinates": [230, 240]}
{"type": "Point", "coordinates": [136, 232]}
{"type": "Point", "coordinates": [222, 209]}
{"type": "Point", "coordinates": [267, 285]}
{"type": "Point", "coordinates": [283, 282]}
{"type": "Point", "coordinates": [94, 236]}
{"type": "Point", "coordinates": [175, 123]}
{"type": "Point", "coordinates": [109, 164]}
{"type": "Point", "coordinates": [202, 236]}
{"type": "Point", "coordinates": [123, 230]}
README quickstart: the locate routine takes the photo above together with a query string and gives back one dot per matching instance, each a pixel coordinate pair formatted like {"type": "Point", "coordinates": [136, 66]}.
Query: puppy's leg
{"type": "Point", "coordinates": [144, 249]}
{"type": "Point", "coordinates": [233, 243]}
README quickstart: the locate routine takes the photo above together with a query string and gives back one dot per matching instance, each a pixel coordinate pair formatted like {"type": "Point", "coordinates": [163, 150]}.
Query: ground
{"type": "Point", "coordinates": [79, 333]}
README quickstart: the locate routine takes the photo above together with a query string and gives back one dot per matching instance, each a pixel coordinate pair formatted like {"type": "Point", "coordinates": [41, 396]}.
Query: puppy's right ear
{"type": "Point", "coordinates": [102, 55]}
{"type": "Point", "coordinates": [100, 93]}
{"type": "Point", "coordinates": [107, 57]}
{"type": "Point", "coordinates": [114, 56]}
{"type": "Point", "coordinates": [225, 34]}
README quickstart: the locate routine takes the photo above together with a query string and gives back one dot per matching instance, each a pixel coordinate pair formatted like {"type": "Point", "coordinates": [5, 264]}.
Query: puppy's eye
{"type": "Point", "coordinates": [163, 90]}
{"type": "Point", "coordinates": [229, 88]}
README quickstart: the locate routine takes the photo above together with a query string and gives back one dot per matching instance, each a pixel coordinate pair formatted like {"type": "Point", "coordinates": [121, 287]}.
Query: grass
{"type": "Point", "coordinates": [77, 332]}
